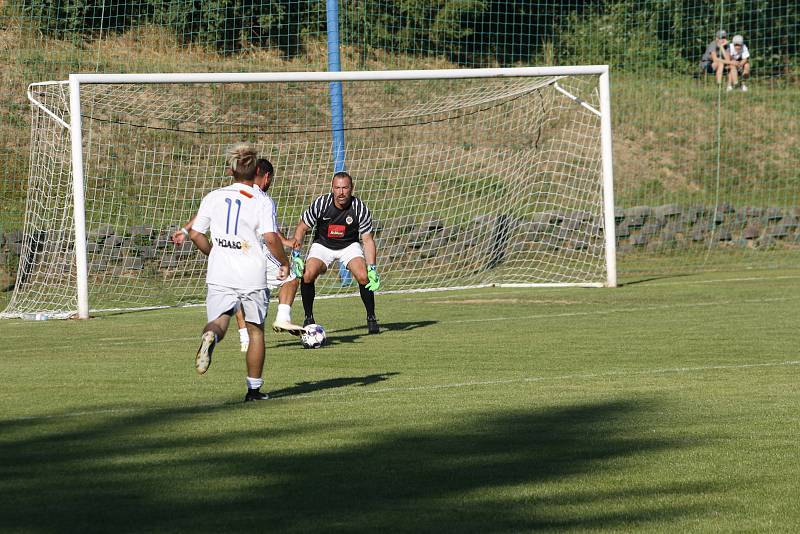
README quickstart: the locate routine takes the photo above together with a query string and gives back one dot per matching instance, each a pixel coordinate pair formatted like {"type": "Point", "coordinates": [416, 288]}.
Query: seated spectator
{"type": "Point", "coordinates": [739, 62]}
{"type": "Point", "coordinates": [716, 56]}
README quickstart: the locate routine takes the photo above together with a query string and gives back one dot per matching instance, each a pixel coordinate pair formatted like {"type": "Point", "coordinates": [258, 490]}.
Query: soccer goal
{"type": "Point", "coordinates": [475, 177]}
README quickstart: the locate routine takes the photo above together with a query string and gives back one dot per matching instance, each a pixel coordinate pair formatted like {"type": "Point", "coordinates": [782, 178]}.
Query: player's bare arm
{"type": "Point", "coordinates": [285, 241]}
{"type": "Point", "coordinates": [275, 246]}
{"type": "Point", "coordinates": [180, 235]}
{"type": "Point", "coordinates": [370, 249]}
{"type": "Point", "coordinates": [299, 234]}
{"type": "Point", "coordinates": [201, 241]}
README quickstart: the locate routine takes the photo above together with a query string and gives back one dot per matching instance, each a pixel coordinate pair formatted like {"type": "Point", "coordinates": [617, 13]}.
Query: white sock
{"type": "Point", "coordinates": [284, 313]}
{"type": "Point", "coordinates": [254, 383]}
{"type": "Point", "coordinates": [243, 335]}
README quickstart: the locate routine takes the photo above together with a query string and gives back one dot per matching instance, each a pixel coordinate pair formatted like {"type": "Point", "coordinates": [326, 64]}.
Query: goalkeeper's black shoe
{"type": "Point", "coordinates": [372, 325]}
{"type": "Point", "coordinates": [309, 320]}
{"type": "Point", "coordinates": [255, 395]}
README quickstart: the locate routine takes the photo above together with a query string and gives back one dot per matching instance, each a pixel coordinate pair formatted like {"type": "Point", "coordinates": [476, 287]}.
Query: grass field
{"type": "Point", "coordinates": [664, 405]}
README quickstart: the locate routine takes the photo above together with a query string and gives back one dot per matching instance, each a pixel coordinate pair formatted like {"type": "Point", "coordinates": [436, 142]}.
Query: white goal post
{"type": "Point", "coordinates": [518, 159]}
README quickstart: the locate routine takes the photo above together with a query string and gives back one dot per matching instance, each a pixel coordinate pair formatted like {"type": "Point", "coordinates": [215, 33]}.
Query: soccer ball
{"type": "Point", "coordinates": [314, 337]}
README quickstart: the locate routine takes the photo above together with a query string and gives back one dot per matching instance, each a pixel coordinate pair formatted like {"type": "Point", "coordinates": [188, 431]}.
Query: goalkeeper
{"type": "Point", "coordinates": [339, 220]}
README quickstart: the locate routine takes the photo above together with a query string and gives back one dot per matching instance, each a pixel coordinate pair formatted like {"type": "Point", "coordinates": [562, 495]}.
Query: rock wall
{"type": "Point", "coordinates": [490, 237]}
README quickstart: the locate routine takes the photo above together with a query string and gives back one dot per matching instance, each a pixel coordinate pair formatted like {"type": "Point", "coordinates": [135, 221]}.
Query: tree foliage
{"type": "Point", "coordinates": [629, 34]}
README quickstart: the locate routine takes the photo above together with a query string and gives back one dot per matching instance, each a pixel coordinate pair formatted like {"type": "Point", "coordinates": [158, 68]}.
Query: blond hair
{"type": "Point", "coordinates": [242, 161]}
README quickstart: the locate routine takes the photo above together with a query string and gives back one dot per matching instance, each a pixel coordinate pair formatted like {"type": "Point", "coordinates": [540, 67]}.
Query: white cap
{"type": "Point", "coordinates": [738, 39]}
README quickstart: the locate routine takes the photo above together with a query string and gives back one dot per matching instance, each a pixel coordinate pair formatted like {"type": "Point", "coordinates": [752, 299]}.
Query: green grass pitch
{"type": "Point", "coordinates": [664, 405]}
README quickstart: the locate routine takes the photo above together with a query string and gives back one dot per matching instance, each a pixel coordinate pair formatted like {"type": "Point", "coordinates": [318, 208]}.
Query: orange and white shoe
{"type": "Point", "coordinates": [285, 326]}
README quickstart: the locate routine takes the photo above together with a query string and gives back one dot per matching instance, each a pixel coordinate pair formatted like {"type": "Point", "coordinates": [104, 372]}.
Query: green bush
{"type": "Point", "coordinates": [80, 18]}
{"type": "Point", "coordinates": [628, 34]}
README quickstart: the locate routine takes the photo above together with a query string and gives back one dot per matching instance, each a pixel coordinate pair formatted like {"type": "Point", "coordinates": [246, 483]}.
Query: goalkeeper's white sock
{"type": "Point", "coordinates": [254, 383]}
{"type": "Point", "coordinates": [284, 313]}
{"type": "Point", "coordinates": [244, 337]}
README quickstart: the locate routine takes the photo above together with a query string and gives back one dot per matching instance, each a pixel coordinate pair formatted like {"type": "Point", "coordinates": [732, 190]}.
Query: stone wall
{"type": "Point", "coordinates": [675, 226]}
{"type": "Point", "coordinates": [488, 237]}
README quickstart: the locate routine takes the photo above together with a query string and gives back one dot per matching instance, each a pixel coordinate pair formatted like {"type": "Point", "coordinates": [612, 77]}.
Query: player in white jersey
{"type": "Point", "coordinates": [265, 173]}
{"type": "Point", "coordinates": [236, 277]}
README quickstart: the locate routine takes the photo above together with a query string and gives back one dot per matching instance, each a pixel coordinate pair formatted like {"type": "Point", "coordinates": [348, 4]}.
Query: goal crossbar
{"type": "Point", "coordinates": [343, 76]}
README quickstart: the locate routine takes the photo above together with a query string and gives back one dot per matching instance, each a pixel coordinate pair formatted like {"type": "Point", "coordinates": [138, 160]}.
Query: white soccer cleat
{"type": "Point", "coordinates": [245, 345]}
{"type": "Point", "coordinates": [203, 359]}
{"type": "Point", "coordinates": [744, 88]}
{"type": "Point", "coordinates": [285, 326]}
{"type": "Point", "coordinates": [729, 89]}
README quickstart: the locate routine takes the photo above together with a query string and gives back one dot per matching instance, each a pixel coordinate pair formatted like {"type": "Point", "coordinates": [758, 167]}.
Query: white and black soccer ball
{"type": "Point", "coordinates": [314, 337]}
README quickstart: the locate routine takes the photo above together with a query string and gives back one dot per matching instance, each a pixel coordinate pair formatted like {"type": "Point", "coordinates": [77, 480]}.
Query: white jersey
{"type": "Point", "coordinates": [261, 194]}
{"type": "Point", "coordinates": [740, 56]}
{"type": "Point", "coordinates": [238, 219]}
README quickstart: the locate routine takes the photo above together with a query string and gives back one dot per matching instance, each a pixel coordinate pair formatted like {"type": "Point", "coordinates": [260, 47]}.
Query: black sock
{"type": "Point", "coordinates": [368, 298]}
{"type": "Point", "coordinates": [308, 292]}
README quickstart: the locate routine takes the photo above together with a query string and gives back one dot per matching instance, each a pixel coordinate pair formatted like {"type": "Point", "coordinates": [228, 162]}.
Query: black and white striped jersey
{"type": "Point", "coordinates": [335, 228]}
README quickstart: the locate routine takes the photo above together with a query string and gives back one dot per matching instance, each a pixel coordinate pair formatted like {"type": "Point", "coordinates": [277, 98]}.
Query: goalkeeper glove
{"type": "Point", "coordinates": [298, 265]}
{"type": "Point", "coordinates": [374, 283]}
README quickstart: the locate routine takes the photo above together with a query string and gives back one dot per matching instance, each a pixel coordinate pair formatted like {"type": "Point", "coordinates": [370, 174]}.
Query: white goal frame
{"type": "Point", "coordinates": [76, 135]}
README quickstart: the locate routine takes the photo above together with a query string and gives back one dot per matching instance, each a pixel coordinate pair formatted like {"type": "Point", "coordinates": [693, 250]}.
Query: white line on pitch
{"type": "Point", "coordinates": [622, 310]}
{"type": "Point", "coordinates": [117, 341]}
{"type": "Point", "coordinates": [577, 376]}
{"type": "Point", "coordinates": [721, 280]}
{"type": "Point", "coordinates": [501, 291]}
{"type": "Point", "coordinates": [431, 387]}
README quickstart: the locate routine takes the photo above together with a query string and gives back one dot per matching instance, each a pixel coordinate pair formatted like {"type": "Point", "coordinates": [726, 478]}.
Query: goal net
{"type": "Point", "coordinates": [473, 178]}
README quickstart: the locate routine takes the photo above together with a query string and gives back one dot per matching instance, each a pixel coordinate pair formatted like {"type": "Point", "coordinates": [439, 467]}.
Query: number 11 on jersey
{"type": "Point", "coordinates": [230, 202]}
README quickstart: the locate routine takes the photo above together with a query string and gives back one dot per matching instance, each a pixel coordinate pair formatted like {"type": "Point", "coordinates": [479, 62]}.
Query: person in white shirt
{"type": "Point", "coordinates": [739, 62]}
{"type": "Point", "coordinates": [287, 288]}
{"type": "Point", "coordinates": [238, 220]}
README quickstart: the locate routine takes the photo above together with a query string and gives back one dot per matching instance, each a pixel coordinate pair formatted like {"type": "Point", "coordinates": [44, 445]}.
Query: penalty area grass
{"type": "Point", "coordinates": [666, 405]}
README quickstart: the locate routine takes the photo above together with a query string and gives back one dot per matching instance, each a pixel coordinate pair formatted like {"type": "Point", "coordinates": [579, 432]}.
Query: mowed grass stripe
{"type": "Point", "coordinates": [112, 341]}
{"type": "Point", "coordinates": [364, 394]}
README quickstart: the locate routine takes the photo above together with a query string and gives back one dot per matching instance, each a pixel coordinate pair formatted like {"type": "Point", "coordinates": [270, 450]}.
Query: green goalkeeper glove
{"type": "Point", "coordinates": [298, 265]}
{"type": "Point", "coordinates": [374, 283]}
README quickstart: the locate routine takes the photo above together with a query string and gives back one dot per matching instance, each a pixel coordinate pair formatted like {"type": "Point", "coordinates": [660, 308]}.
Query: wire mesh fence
{"type": "Point", "coordinates": [705, 177]}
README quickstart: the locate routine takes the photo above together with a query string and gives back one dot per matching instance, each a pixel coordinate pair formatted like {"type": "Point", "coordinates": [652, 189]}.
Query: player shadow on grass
{"type": "Point", "coordinates": [388, 327]}
{"type": "Point", "coordinates": [647, 279]}
{"type": "Point", "coordinates": [372, 466]}
{"type": "Point", "coordinates": [335, 337]}
{"type": "Point", "coordinates": [301, 388]}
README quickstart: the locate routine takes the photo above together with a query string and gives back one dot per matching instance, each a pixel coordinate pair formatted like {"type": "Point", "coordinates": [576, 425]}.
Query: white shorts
{"type": "Point", "coordinates": [327, 256]}
{"type": "Point", "coordinates": [272, 276]}
{"type": "Point", "coordinates": [221, 300]}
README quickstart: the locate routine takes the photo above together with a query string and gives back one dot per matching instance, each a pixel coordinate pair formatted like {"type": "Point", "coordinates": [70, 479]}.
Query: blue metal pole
{"type": "Point", "coordinates": [334, 65]}
{"type": "Point", "coordinates": [337, 111]}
